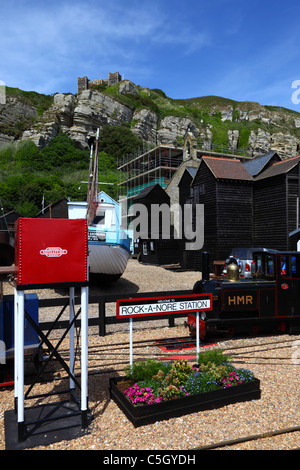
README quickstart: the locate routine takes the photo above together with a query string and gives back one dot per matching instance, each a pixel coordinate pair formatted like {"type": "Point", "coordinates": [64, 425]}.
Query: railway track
{"type": "Point", "coordinates": [101, 357]}
{"type": "Point", "coordinates": [254, 437]}
{"type": "Point", "coordinates": [184, 342]}
{"type": "Point", "coordinates": [103, 361]}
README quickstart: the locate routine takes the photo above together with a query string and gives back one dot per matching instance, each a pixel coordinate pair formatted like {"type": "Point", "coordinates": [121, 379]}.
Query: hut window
{"type": "Point", "coordinates": [100, 218]}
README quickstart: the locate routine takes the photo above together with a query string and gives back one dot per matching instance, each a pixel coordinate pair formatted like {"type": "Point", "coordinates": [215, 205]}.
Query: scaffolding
{"type": "Point", "coordinates": [156, 166]}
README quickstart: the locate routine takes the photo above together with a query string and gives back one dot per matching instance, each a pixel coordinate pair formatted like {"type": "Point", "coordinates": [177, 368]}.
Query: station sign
{"type": "Point", "coordinates": [167, 305]}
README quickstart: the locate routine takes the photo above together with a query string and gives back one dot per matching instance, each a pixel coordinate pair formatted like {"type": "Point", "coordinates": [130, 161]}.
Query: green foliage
{"type": "Point", "coordinates": [15, 129]}
{"type": "Point", "coordinates": [40, 101]}
{"type": "Point", "coordinates": [216, 372]}
{"type": "Point", "coordinates": [244, 137]}
{"type": "Point", "coordinates": [131, 100]}
{"type": "Point", "coordinates": [27, 209]}
{"type": "Point", "coordinates": [6, 157]}
{"type": "Point", "coordinates": [213, 356]}
{"type": "Point", "coordinates": [200, 383]}
{"type": "Point", "coordinates": [102, 87]}
{"type": "Point", "coordinates": [160, 92]}
{"type": "Point", "coordinates": [118, 141]}
{"type": "Point", "coordinates": [145, 370]}
{"type": "Point", "coordinates": [62, 153]}
{"type": "Point", "coordinates": [219, 139]}
{"type": "Point", "coordinates": [165, 380]}
{"type": "Point", "coordinates": [106, 163]}
{"type": "Point", "coordinates": [10, 191]}
{"type": "Point", "coordinates": [24, 193]}
{"type": "Point", "coordinates": [27, 156]}
{"type": "Point", "coordinates": [171, 385]}
{"type": "Point", "coordinates": [156, 381]}
{"type": "Point", "coordinates": [210, 101]}
{"type": "Point", "coordinates": [180, 371]}
{"type": "Point", "coordinates": [28, 174]}
{"type": "Point", "coordinates": [171, 391]}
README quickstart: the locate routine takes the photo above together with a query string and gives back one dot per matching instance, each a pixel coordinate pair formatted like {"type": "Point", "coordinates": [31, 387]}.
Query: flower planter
{"type": "Point", "coordinates": [147, 414]}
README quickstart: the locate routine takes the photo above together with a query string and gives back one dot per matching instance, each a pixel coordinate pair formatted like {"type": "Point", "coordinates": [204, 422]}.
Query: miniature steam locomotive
{"type": "Point", "coordinates": [269, 302]}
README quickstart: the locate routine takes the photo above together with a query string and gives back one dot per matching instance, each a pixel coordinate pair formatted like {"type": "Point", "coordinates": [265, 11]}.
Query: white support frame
{"type": "Point", "coordinates": [19, 309]}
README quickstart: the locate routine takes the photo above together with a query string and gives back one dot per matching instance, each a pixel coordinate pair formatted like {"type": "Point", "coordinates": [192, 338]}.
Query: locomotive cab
{"type": "Point", "coordinates": [270, 301]}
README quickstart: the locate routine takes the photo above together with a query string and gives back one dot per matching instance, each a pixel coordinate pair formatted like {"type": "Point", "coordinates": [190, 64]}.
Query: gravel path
{"type": "Point", "coordinates": [274, 360]}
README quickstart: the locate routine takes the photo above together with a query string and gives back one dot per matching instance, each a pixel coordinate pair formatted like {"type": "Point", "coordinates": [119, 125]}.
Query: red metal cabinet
{"type": "Point", "coordinates": [51, 251]}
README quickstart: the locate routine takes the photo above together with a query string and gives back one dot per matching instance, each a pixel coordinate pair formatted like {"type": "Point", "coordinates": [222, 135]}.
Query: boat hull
{"type": "Point", "coordinates": [107, 260]}
{"type": "Point", "coordinates": [108, 243]}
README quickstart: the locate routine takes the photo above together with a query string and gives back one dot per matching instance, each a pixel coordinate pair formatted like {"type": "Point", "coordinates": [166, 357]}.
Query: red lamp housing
{"type": "Point", "coordinates": [50, 252]}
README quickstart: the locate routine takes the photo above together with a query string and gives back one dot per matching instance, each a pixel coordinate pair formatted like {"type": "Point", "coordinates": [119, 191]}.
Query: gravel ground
{"type": "Point", "coordinates": [274, 361]}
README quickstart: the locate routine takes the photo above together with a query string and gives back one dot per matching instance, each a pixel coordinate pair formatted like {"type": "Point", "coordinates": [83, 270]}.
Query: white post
{"type": "Point", "coordinates": [19, 361]}
{"type": "Point", "coordinates": [72, 336]}
{"type": "Point", "coordinates": [130, 345]}
{"type": "Point", "coordinates": [197, 333]}
{"type": "Point", "coordinates": [84, 352]}
{"type": "Point", "coordinates": [15, 343]}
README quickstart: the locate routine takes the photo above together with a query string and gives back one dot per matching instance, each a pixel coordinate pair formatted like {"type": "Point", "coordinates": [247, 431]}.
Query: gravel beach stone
{"type": "Point", "coordinates": [275, 361]}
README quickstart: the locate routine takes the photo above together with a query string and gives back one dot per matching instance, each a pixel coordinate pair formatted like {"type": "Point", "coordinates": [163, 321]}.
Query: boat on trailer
{"type": "Point", "coordinates": [108, 243]}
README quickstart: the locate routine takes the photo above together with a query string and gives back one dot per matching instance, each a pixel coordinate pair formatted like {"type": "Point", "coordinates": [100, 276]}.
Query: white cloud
{"type": "Point", "coordinates": [44, 46]}
{"type": "Point", "coordinates": [69, 34]}
{"type": "Point", "coordinates": [44, 39]}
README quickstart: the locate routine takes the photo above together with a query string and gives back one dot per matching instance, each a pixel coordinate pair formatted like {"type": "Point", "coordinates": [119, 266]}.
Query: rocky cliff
{"type": "Point", "coordinates": [15, 114]}
{"type": "Point", "coordinates": [218, 124]}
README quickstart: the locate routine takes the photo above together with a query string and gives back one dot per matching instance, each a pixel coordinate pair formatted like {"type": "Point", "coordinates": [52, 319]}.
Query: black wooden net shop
{"type": "Point", "coordinates": [244, 205]}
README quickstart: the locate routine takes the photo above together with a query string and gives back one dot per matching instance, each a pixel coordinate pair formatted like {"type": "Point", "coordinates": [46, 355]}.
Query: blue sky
{"type": "Point", "coordinates": [239, 50]}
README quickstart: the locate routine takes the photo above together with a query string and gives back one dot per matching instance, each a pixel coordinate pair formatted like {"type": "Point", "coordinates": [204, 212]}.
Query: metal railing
{"type": "Point", "coordinates": [103, 320]}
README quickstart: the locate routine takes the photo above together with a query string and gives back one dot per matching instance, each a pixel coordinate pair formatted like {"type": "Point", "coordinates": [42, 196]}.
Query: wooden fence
{"type": "Point", "coordinates": [102, 320]}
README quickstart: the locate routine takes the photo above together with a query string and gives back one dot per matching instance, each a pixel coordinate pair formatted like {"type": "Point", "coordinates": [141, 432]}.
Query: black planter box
{"type": "Point", "coordinates": [147, 414]}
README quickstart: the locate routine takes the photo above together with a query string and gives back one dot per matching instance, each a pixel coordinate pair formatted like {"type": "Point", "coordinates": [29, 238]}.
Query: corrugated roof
{"type": "Point", "coordinates": [257, 164]}
{"type": "Point", "coordinates": [227, 168]}
{"type": "Point", "coordinates": [279, 168]}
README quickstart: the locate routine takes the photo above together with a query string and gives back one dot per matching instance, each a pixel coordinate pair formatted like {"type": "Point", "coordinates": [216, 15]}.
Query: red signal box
{"type": "Point", "coordinates": [50, 252]}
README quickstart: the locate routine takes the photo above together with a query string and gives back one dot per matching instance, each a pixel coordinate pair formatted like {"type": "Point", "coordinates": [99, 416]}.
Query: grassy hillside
{"type": "Point", "coordinates": [40, 101]}
{"type": "Point", "coordinates": [207, 112]}
{"type": "Point", "coordinates": [27, 174]}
